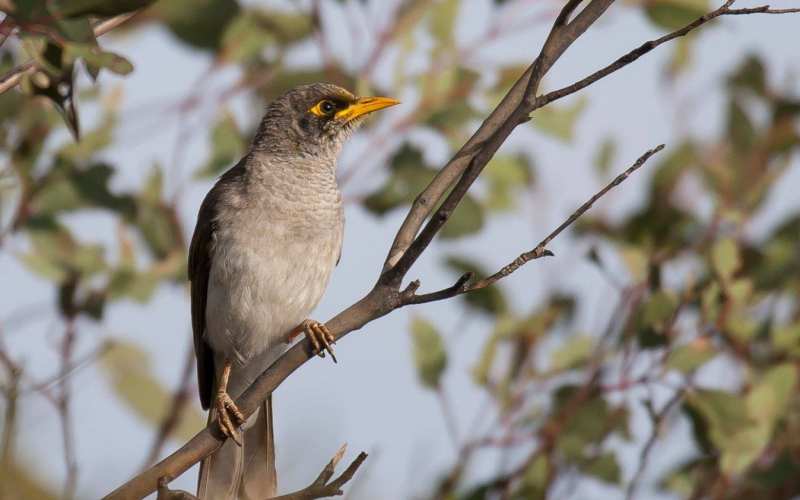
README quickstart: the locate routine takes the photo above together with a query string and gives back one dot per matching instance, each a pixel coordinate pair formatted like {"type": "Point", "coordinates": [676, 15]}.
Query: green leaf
{"type": "Point", "coordinates": [750, 75]}
{"type": "Point", "coordinates": [605, 156]}
{"type": "Point", "coordinates": [725, 258]}
{"type": "Point", "coordinates": [129, 370]}
{"type": "Point", "coordinates": [688, 358]}
{"type": "Point", "coordinates": [227, 146]}
{"type": "Point", "coordinates": [674, 14]}
{"type": "Point", "coordinates": [429, 354]}
{"type": "Point", "coordinates": [245, 38]}
{"type": "Point", "coordinates": [409, 176]}
{"type": "Point", "coordinates": [741, 131]}
{"type": "Point", "coordinates": [443, 16]}
{"type": "Point", "coordinates": [769, 399]}
{"type": "Point", "coordinates": [604, 467]}
{"type": "Point", "coordinates": [535, 479]}
{"type": "Point", "coordinates": [587, 424]}
{"type": "Point", "coordinates": [98, 58]}
{"type": "Point", "coordinates": [489, 300]}
{"type": "Point", "coordinates": [559, 121]}
{"type": "Point", "coordinates": [506, 175]}
{"type": "Point", "coordinates": [572, 354]}
{"type": "Point", "coordinates": [26, 481]}
{"type": "Point", "coordinates": [103, 8]}
{"type": "Point", "coordinates": [198, 23]}
{"type": "Point", "coordinates": [466, 219]}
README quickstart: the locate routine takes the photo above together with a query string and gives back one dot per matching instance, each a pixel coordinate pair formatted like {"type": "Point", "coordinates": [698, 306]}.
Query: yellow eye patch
{"type": "Point", "coordinates": [325, 107]}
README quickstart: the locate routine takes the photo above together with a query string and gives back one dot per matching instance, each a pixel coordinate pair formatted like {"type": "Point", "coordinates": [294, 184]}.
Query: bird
{"type": "Point", "coordinates": [268, 236]}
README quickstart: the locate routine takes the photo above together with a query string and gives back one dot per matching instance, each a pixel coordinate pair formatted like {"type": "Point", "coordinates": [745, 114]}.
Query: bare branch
{"type": "Point", "coordinates": [561, 37]}
{"type": "Point", "coordinates": [463, 286]}
{"type": "Point", "coordinates": [646, 47]}
{"type": "Point", "coordinates": [321, 488]}
{"type": "Point", "coordinates": [658, 423]}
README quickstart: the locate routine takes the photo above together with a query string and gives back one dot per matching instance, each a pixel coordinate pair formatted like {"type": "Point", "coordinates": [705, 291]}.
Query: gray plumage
{"type": "Point", "coordinates": [268, 236]}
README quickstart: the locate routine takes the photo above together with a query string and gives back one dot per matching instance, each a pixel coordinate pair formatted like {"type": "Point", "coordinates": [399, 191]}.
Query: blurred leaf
{"type": "Point", "coordinates": [725, 258]}
{"type": "Point", "coordinates": [466, 219]}
{"type": "Point", "coordinates": [55, 255]}
{"type": "Point", "coordinates": [54, 81]}
{"type": "Point", "coordinates": [429, 354]}
{"type": "Point", "coordinates": [535, 480]}
{"type": "Point", "coordinates": [21, 481]}
{"type": "Point", "coordinates": [605, 156]}
{"type": "Point", "coordinates": [604, 467]}
{"type": "Point", "coordinates": [68, 187]}
{"type": "Point", "coordinates": [750, 75]}
{"type": "Point", "coordinates": [681, 58]}
{"type": "Point", "coordinates": [97, 58]}
{"type": "Point", "coordinates": [688, 358]}
{"type": "Point", "coordinates": [787, 339]}
{"type": "Point", "coordinates": [674, 14]}
{"type": "Point", "coordinates": [199, 23]}
{"type": "Point", "coordinates": [104, 8]}
{"type": "Point", "coordinates": [443, 16]}
{"type": "Point", "coordinates": [155, 220]}
{"type": "Point", "coordinates": [769, 399]}
{"type": "Point", "coordinates": [489, 300]}
{"type": "Point", "coordinates": [227, 146]}
{"type": "Point", "coordinates": [408, 177]}
{"type": "Point", "coordinates": [129, 370]}
{"type": "Point", "coordinates": [586, 424]}
{"type": "Point", "coordinates": [740, 129]}
{"type": "Point", "coordinates": [559, 121]}
{"type": "Point", "coordinates": [572, 354]}
{"type": "Point", "coordinates": [506, 175]}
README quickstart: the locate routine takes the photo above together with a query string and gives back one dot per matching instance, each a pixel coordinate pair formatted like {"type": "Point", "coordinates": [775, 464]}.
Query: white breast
{"type": "Point", "coordinates": [267, 275]}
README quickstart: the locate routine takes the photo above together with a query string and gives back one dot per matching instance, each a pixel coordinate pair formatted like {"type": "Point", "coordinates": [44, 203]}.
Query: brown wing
{"type": "Point", "coordinates": [200, 255]}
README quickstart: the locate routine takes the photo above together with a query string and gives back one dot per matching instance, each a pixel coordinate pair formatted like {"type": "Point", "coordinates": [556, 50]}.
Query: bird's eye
{"type": "Point", "coordinates": [324, 108]}
{"type": "Point", "coordinates": [327, 107]}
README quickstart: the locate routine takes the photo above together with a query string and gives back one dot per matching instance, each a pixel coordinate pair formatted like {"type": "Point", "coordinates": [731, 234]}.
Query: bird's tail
{"type": "Point", "coordinates": [247, 472]}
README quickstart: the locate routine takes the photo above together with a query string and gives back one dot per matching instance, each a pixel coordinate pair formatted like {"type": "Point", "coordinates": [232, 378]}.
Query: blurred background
{"type": "Point", "coordinates": [654, 356]}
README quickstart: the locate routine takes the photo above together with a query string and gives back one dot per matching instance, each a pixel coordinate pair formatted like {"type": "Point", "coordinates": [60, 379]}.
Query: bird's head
{"type": "Point", "coordinates": [314, 120]}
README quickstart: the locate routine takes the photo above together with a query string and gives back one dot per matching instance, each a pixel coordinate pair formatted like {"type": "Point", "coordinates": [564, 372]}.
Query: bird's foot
{"type": "Point", "coordinates": [320, 337]}
{"type": "Point", "coordinates": [229, 418]}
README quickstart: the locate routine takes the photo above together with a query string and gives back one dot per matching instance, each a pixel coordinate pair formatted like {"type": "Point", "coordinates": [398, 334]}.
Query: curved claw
{"type": "Point", "coordinates": [229, 418]}
{"type": "Point", "coordinates": [321, 338]}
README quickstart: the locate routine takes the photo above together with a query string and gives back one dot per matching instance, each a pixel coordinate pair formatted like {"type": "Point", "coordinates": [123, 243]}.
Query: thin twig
{"type": "Point", "coordinates": [463, 284]}
{"type": "Point", "coordinates": [321, 488]}
{"type": "Point", "coordinates": [658, 423]}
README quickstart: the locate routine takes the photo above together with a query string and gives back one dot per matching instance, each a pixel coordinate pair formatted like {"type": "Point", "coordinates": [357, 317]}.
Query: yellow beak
{"type": "Point", "coordinates": [365, 105]}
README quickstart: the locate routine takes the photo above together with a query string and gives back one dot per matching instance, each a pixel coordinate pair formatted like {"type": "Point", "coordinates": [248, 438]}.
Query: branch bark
{"type": "Point", "coordinates": [458, 174]}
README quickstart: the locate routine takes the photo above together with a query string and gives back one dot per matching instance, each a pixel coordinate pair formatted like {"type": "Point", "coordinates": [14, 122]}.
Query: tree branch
{"type": "Point", "coordinates": [560, 38]}
{"type": "Point", "coordinates": [320, 488]}
{"type": "Point", "coordinates": [463, 284]}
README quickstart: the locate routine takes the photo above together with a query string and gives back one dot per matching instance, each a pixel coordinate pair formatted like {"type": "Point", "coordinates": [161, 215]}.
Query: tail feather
{"type": "Point", "coordinates": [247, 472]}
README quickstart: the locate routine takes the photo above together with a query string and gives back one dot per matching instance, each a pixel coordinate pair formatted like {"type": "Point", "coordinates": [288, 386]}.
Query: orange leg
{"type": "Point", "coordinates": [228, 415]}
